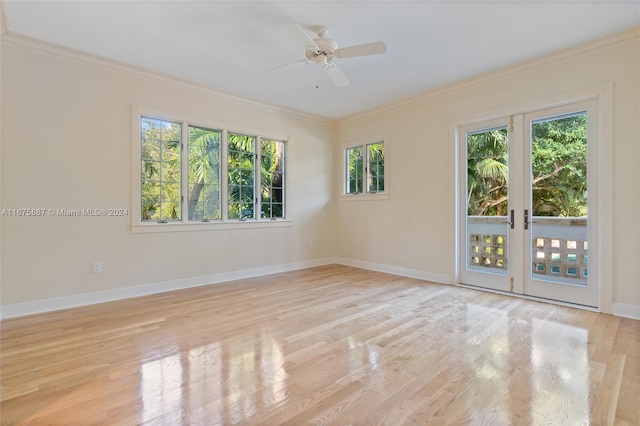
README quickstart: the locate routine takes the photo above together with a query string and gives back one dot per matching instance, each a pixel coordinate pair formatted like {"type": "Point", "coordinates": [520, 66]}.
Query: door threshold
{"type": "Point", "coordinates": [534, 298]}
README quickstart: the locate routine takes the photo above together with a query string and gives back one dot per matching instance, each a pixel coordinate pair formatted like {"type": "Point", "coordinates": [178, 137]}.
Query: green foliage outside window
{"type": "Point", "coordinates": [354, 170]}
{"type": "Point", "coordinates": [161, 150]}
{"type": "Point", "coordinates": [204, 174]}
{"type": "Point", "coordinates": [365, 173]}
{"type": "Point", "coordinates": [375, 167]}
{"type": "Point", "coordinates": [487, 173]}
{"type": "Point", "coordinates": [240, 175]}
{"type": "Point", "coordinates": [558, 162]}
{"type": "Point", "coordinates": [272, 178]}
{"type": "Point", "coordinates": [160, 169]}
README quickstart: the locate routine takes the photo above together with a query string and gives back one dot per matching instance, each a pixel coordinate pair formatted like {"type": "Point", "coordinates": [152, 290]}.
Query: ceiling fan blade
{"type": "Point", "coordinates": [338, 78]}
{"type": "Point", "coordinates": [291, 65]}
{"type": "Point", "coordinates": [302, 35]}
{"type": "Point", "coordinates": [374, 48]}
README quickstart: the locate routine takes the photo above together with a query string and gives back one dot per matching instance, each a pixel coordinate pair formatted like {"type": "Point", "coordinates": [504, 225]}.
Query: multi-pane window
{"type": "Point", "coordinates": [272, 178]}
{"type": "Point", "coordinates": [355, 169]}
{"type": "Point", "coordinates": [160, 178]}
{"type": "Point", "coordinates": [375, 167]}
{"type": "Point", "coordinates": [241, 176]}
{"type": "Point", "coordinates": [204, 197]}
{"type": "Point", "coordinates": [183, 182]}
{"type": "Point", "coordinates": [365, 169]}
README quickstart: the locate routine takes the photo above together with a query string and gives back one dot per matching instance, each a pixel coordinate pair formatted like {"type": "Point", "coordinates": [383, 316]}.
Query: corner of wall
{"type": "Point", "coordinates": [395, 270]}
{"type": "Point", "coordinates": [3, 29]}
{"type": "Point", "coordinates": [4, 22]}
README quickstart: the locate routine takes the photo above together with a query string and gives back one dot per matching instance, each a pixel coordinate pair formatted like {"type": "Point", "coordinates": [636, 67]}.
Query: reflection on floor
{"type": "Point", "coordinates": [328, 345]}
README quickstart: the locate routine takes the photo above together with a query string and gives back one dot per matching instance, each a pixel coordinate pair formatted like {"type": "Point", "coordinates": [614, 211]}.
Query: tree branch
{"type": "Point", "coordinates": [553, 173]}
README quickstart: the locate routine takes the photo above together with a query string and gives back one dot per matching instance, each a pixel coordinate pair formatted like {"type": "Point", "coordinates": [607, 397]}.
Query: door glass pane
{"type": "Point", "coordinates": [487, 200]}
{"type": "Point", "coordinates": [559, 198]}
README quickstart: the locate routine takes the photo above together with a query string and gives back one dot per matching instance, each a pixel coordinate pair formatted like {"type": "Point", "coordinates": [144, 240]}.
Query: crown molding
{"type": "Point", "coordinates": [608, 42]}
{"type": "Point", "coordinates": [35, 46]}
{"type": "Point", "coordinates": [39, 47]}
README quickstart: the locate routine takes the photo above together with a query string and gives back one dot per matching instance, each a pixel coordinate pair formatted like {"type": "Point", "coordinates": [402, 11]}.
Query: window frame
{"type": "Point", "coordinates": [364, 144]}
{"type": "Point", "coordinates": [138, 225]}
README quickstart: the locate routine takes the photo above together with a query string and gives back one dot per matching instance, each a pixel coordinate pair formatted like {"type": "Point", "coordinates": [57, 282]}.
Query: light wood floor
{"type": "Point", "coordinates": [328, 345]}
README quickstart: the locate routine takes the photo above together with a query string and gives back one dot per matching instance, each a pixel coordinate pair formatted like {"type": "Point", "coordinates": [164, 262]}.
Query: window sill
{"type": "Point", "coordinates": [151, 227]}
{"type": "Point", "coordinates": [364, 197]}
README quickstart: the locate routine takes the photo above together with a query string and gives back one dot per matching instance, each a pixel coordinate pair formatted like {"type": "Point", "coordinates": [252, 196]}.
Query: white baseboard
{"type": "Point", "coordinates": [627, 311]}
{"type": "Point", "coordinates": [40, 306]}
{"type": "Point", "coordinates": [395, 270]}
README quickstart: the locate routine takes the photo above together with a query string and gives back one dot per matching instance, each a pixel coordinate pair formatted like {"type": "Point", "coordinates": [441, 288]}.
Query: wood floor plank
{"type": "Point", "coordinates": [327, 345]}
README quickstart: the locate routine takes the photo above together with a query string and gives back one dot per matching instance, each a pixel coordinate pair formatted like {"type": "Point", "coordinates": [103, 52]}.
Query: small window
{"type": "Point", "coordinates": [364, 169]}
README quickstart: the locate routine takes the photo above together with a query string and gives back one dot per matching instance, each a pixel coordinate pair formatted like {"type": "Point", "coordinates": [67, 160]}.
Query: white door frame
{"type": "Point", "coordinates": [603, 95]}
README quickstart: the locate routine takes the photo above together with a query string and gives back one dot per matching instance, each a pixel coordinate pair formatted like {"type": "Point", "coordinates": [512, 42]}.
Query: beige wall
{"type": "Point", "coordinates": [3, 28]}
{"type": "Point", "coordinates": [420, 212]}
{"type": "Point", "coordinates": [66, 143]}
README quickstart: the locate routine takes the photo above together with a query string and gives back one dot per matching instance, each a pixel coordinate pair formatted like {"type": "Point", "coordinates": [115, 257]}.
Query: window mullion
{"type": "Point", "coordinates": [257, 180]}
{"type": "Point", "coordinates": [224, 176]}
{"type": "Point", "coordinates": [184, 172]}
{"type": "Point", "coordinates": [365, 168]}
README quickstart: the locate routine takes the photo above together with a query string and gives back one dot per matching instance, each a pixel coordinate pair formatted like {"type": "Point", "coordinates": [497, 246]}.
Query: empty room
{"type": "Point", "coordinates": [320, 212]}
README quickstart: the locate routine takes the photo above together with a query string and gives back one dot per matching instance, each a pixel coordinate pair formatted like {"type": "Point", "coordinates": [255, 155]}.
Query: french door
{"type": "Point", "coordinates": [528, 199]}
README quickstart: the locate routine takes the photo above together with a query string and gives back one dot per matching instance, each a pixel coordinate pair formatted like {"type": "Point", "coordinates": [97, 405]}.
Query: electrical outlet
{"type": "Point", "coordinates": [416, 252]}
{"type": "Point", "coordinates": [97, 267]}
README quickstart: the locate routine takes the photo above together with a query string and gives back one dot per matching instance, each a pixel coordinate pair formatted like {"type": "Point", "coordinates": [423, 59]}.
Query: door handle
{"type": "Point", "coordinates": [512, 223]}
{"type": "Point", "coordinates": [526, 219]}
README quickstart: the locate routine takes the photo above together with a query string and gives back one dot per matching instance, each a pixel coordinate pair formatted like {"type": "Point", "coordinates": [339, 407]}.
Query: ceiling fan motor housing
{"type": "Point", "coordinates": [325, 43]}
{"type": "Point", "coordinates": [325, 51]}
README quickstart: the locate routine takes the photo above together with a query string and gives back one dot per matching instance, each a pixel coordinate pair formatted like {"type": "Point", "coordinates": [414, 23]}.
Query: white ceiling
{"type": "Point", "coordinates": [230, 45]}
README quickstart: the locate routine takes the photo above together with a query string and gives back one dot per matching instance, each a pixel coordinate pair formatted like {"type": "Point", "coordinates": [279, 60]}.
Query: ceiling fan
{"type": "Point", "coordinates": [323, 50]}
